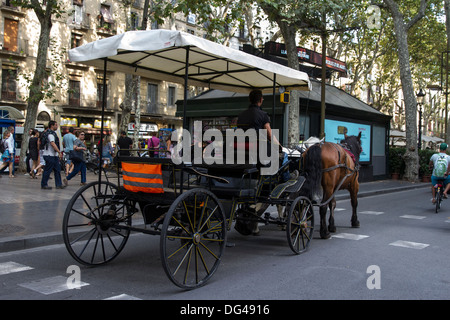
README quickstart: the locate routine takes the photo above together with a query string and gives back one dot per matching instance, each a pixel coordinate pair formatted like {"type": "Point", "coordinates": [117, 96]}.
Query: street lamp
{"type": "Point", "coordinates": [420, 98]}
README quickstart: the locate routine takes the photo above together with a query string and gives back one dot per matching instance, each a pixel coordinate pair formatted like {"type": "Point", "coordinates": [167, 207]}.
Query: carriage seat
{"type": "Point", "coordinates": [290, 186]}
{"type": "Point", "coordinates": [240, 179]}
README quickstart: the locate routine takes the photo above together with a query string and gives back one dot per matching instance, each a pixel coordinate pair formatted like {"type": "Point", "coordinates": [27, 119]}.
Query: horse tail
{"type": "Point", "coordinates": [312, 171]}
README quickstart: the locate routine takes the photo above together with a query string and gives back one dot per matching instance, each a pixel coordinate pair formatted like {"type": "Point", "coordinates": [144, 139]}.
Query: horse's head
{"type": "Point", "coordinates": [353, 143]}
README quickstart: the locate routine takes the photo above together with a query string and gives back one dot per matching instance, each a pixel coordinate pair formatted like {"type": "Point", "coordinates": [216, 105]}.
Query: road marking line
{"type": "Point", "coordinates": [409, 244]}
{"type": "Point", "coordinates": [122, 296]}
{"type": "Point", "coordinates": [11, 267]}
{"type": "Point", "coordinates": [349, 236]}
{"type": "Point", "coordinates": [339, 209]}
{"type": "Point", "coordinates": [50, 285]}
{"type": "Point", "coordinates": [410, 216]}
{"type": "Point", "coordinates": [375, 213]}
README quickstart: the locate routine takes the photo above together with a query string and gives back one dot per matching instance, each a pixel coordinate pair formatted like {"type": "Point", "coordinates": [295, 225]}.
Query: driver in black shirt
{"type": "Point", "coordinates": [254, 117]}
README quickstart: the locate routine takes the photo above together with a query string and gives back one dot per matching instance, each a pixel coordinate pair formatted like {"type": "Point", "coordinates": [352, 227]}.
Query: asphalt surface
{"type": "Point", "coordinates": [32, 217]}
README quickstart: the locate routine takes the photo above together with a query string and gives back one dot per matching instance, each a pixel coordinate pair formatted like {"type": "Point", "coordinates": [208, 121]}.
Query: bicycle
{"type": "Point", "coordinates": [439, 193]}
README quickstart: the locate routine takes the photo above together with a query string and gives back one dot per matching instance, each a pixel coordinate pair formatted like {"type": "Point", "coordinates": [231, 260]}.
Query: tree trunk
{"type": "Point", "coordinates": [36, 95]}
{"type": "Point", "coordinates": [411, 156]}
{"type": "Point", "coordinates": [447, 26]}
{"type": "Point", "coordinates": [289, 31]}
{"type": "Point", "coordinates": [137, 112]}
{"type": "Point", "coordinates": [127, 104]}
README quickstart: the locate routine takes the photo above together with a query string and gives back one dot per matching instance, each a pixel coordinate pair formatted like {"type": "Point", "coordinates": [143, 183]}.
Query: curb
{"type": "Point", "coordinates": [30, 241]}
{"type": "Point", "coordinates": [381, 191]}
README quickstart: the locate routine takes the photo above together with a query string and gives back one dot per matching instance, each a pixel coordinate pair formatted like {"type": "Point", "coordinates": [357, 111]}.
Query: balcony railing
{"type": "Point", "coordinates": [106, 28]}
{"type": "Point", "coordinates": [159, 109]}
{"type": "Point", "coordinates": [6, 5]}
{"type": "Point", "coordinates": [82, 22]}
{"type": "Point", "coordinates": [20, 51]}
{"type": "Point", "coordinates": [9, 95]}
{"type": "Point", "coordinates": [74, 102]}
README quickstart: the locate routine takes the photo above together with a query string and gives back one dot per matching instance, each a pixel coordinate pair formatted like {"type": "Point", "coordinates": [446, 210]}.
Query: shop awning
{"type": "Point", "coordinates": [7, 112]}
{"type": "Point", "coordinates": [165, 54]}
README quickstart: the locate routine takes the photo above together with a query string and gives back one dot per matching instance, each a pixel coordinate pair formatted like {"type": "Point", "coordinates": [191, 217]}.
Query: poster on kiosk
{"type": "Point", "coordinates": [335, 131]}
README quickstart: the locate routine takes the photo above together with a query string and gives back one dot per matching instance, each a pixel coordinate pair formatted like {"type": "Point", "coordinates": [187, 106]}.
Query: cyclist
{"type": "Point", "coordinates": [440, 164]}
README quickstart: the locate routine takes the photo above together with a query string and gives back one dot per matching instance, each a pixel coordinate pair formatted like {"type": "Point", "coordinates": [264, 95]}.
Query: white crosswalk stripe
{"type": "Point", "coordinates": [349, 236]}
{"type": "Point", "coordinates": [409, 244]}
{"type": "Point", "coordinates": [410, 216]}
{"type": "Point", "coordinates": [11, 267]}
{"type": "Point", "coordinates": [50, 285]}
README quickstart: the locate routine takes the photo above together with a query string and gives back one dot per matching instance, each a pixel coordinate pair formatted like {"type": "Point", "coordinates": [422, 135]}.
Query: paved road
{"type": "Point", "coordinates": [400, 252]}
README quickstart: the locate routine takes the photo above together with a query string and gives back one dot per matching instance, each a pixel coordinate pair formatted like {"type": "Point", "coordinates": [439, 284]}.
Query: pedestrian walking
{"type": "Point", "coordinates": [153, 145]}
{"type": "Point", "coordinates": [52, 154]}
{"type": "Point", "coordinates": [8, 154]}
{"type": "Point", "coordinates": [10, 143]}
{"type": "Point", "coordinates": [28, 159]}
{"type": "Point", "coordinates": [124, 143]}
{"type": "Point", "coordinates": [79, 146]}
{"type": "Point", "coordinates": [107, 151]}
{"type": "Point", "coordinates": [33, 150]}
{"type": "Point", "coordinates": [68, 140]}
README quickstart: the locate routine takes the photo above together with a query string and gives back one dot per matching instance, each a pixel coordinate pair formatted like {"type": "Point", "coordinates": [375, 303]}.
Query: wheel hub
{"type": "Point", "coordinates": [196, 238]}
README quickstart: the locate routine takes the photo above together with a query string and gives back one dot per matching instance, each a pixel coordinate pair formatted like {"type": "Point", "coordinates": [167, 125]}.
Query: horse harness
{"type": "Point", "coordinates": [343, 165]}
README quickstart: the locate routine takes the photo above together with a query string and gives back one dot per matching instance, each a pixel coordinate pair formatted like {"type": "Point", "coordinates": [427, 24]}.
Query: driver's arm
{"type": "Point", "coordinates": [269, 134]}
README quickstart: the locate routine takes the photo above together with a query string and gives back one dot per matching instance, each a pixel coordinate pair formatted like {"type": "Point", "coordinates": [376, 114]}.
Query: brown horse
{"type": "Point", "coordinates": [333, 166]}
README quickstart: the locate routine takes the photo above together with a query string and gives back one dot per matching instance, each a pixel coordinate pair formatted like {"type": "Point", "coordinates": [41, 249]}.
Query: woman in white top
{"type": "Point", "coordinates": [8, 155]}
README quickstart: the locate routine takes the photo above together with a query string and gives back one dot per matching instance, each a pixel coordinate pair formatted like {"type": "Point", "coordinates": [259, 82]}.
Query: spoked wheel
{"type": "Point", "coordinates": [193, 238]}
{"type": "Point", "coordinates": [92, 225]}
{"type": "Point", "coordinates": [300, 224]}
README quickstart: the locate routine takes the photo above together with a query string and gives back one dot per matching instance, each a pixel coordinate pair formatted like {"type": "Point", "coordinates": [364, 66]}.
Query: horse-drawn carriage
{"type": "Point", "coordinates": [190, 206]}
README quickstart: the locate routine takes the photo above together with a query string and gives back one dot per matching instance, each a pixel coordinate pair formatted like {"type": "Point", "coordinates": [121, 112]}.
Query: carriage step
{"type": "Point", "coordinates": [289, 186]}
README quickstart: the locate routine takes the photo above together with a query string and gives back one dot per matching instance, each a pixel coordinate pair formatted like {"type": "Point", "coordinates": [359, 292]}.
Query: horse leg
{"type": "Point", "coordinates": [324, 234]}
{"type": "Point", "coordinates": [354, 202]}
{"type": "Point", "coordinates": [324, 231]}
{"type": "Point", "coordinates": [332, 206]}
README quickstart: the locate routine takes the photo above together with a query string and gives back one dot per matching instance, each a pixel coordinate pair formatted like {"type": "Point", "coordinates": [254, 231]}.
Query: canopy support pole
{"type": "Point", "coordinates": [185, 124]}
{"type": "Point", "coordinates": [274, 100]}
{"type": "Point", "coordinates": [100, 150]}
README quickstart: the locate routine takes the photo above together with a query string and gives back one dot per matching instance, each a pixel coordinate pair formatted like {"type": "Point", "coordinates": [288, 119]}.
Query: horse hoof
{"type": "Point", "coordinates": [355, 224]}
{"type": "Point", "coordinates": [332, 229]}
{"type": "Point", "coordinates": [325, 236]}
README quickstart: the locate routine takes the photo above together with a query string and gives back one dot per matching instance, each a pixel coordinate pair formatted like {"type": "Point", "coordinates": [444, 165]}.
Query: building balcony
{"type": "Point", "coordinates": [159, 109]}
{"type": "Point", "coordinates": [82, 23]}
{"type": "Point", "coordinates": [105, 28]}
{"type": "Point", "coordinates": [7, 7]}
{"type": "Point", "coordinates": [19, 52]}
{"type": "Point", "coordinates": [8, 96]}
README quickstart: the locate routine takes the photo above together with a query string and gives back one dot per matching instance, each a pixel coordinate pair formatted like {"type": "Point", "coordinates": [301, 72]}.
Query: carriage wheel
{"type": "Point", "coordinates": [92, 225]}
{"type": "Point", "coordinates": [300, 224]}
{"type": "Point", "coordinates": [193, 238]}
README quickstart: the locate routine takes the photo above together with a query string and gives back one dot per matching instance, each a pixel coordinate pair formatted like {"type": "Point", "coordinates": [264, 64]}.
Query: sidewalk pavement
{"type": "Point", "coordinates": [32, 217]}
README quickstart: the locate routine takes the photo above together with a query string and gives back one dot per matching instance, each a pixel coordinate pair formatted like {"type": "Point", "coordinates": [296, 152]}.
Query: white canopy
{"type": "Point", "coordinates": [162, 54]}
